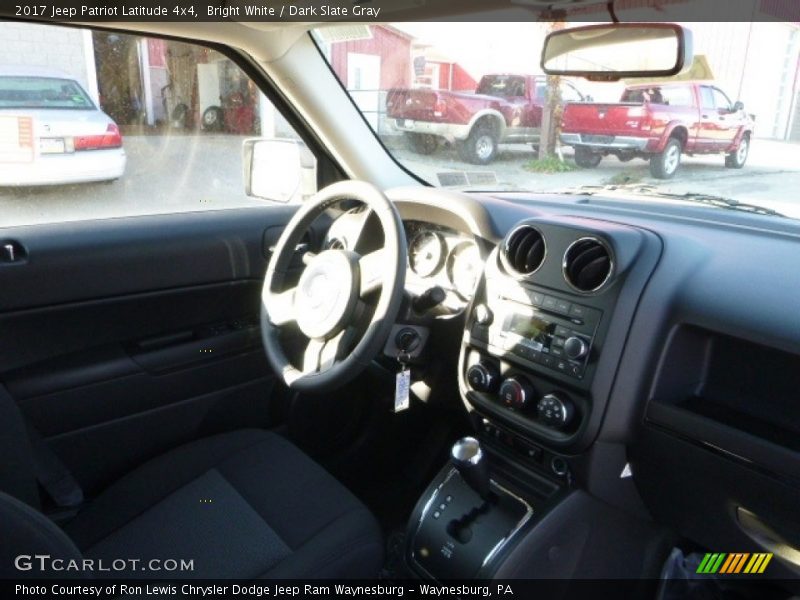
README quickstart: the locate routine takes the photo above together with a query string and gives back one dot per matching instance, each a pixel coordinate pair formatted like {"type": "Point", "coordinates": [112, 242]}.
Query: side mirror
{"type": "Point", "coordinates": [281, 170]}
{"type": "Point", "coordinates": [588, 98]}
{"type": "Point", "coordinates": [618, 51]}
{"type": "Point", "coordinates": [738, 105]}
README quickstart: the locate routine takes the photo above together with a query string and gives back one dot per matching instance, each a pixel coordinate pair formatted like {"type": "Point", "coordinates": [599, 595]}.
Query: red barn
{"type": "Point", "coordinates": [369, 60]}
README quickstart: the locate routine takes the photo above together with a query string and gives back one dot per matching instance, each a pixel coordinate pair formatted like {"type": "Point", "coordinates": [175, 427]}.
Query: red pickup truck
{"type": "Point", "coordinates": [659, 123]}
{"type": "Point", "coordinates": [504, 108]}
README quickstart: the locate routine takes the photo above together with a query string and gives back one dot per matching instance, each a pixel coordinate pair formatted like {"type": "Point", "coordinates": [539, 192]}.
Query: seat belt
{"type": "Point", "coordinates": [63, 489]}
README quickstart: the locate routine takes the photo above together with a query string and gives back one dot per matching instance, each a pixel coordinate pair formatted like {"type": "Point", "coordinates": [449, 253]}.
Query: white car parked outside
{"type": "Point", "coordinates": [51, 132]}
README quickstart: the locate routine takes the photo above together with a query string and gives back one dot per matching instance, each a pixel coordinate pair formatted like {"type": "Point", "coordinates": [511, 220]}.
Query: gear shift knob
{"type": "Point", "coordinates": [468, 458]}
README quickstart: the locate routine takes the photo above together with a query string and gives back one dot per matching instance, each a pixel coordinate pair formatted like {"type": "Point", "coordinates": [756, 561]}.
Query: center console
{"type": "Point", "coordinates": [538, 360]}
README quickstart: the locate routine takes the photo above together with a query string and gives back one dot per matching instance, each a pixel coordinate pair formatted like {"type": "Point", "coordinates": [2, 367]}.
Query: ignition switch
{"type": "Point", "coordinates": [407, 340]}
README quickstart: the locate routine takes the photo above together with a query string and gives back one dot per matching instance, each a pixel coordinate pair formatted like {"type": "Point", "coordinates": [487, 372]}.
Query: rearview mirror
{"type": "Point", "coordinates": [620, 50]}
{"type": "Point", "coordinates": [281, 170]}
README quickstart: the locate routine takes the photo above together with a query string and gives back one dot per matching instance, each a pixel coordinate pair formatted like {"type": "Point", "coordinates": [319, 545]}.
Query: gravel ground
{"type": "Point", "coordinates": [185, 173]}
{"type": "Point", "coordinates": [771, 176]}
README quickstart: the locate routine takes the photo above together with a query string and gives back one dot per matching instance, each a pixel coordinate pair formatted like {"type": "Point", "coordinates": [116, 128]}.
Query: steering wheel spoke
{"type": "Point", "coordinates": [312, 356]}
{"type": "Point", "coordinates": [372, 267]}
{"type": "Point", "coordinates": [280, 307]}
{"type": "Point", "coordinates": [321, 355]}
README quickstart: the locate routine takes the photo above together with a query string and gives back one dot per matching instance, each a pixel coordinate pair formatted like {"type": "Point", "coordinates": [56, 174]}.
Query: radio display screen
{"type": "Point", "coordinates": [532, 328]}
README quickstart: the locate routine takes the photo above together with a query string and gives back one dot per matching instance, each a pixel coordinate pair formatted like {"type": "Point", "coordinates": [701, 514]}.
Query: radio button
{"type": "Point", "coordinates": [557, 351]}
{"type": "Point", "coordinates": [563, 306]}
{"type": "Point", "coordinates": [522, 350]}
{"type": "Point", "coordinates": [536, 298]}
{"type": "Point", "coordinates": [577, 311]}
{"type": "Point", "coordinates": [562, 331]}
{"type": "Point", "coordinates": [585, 313]}
{"type": "Point", "coordinates": [549, 303]}
{"type": "Point", "coordinates": [558, 342]}
{"type": "Point", "coordinates": [575, 347]}
{"type": "Point", "coordinates": [547, 360]}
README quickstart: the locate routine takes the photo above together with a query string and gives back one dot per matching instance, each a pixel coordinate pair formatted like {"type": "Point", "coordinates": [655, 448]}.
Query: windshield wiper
{"type": "Point", "coordinates": [702, 198]}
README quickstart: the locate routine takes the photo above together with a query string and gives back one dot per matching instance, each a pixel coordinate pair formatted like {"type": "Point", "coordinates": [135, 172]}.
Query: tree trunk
{"type": "Point", "coordinates": [551, 112]}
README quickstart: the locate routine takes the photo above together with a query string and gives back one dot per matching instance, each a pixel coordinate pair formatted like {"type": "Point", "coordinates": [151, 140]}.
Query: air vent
{"type": "Point", "coordinates": [524, 251]}
{"type": "Point", "coordinates": [587, 265]}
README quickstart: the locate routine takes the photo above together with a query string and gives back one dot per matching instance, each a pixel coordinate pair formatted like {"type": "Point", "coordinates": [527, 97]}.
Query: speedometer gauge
{"type": "Point", "coordinates": [464, 266]}
{"type": "Point", "coordinates": [426, 253]}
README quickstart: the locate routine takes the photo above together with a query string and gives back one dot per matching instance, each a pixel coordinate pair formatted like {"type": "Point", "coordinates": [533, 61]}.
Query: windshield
{"type": "Point", "coordinates": [42, 92]}
{"type": "Point", "coordinates": [466, 105]}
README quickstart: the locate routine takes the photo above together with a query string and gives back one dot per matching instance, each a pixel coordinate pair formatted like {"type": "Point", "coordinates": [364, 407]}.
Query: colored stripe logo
{"type": "Point", "coordinates": [734, 563]}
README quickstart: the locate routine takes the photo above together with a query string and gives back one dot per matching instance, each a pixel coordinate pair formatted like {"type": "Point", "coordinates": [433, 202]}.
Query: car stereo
{"type": "Point", "coordinates": [556, 333]}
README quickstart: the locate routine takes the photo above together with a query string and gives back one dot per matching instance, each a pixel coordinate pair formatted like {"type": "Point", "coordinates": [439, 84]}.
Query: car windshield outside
{"type": "Point", "coordinates": [466, 105]}
{"type": "Point", "coordinates": [42, 92]}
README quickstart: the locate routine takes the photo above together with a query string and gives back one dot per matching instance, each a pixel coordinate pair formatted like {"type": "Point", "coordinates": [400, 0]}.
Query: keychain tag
{"type": "Point", "coordinates": [402, 387]}
{"type": "Point", "coordinates": [401, 390]}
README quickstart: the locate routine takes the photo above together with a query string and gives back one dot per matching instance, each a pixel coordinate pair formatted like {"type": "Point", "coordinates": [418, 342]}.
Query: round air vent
{"type": "Point", "coordinates": [524, 251]}
{"type": "Point", "coordinates": [587, 265]}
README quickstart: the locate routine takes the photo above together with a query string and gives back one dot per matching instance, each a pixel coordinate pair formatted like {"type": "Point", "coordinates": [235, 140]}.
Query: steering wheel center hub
{"type": "Point", "coordinates": [327, 293]}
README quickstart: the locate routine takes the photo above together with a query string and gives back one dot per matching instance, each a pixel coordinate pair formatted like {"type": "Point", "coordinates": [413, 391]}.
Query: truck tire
{"type": "Point", "coordinates": [422, 143]}
{"type": "Point", "coordinates": [666, 163]}
{"type": "Point", "coordinates": [586, 159]}
{"type": "Point", "coordinates": [737, 158]}
{"type": "Point", "coordinates": [480, 147]}
{"type": "Point", "coordinates": [212, 119]}
{"type": "Point", "coordinates": [180, 117]}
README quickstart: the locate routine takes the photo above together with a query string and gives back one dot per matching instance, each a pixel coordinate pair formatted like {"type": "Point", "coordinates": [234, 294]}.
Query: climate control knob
{"type": "Point", "coordinates": [517, 393]}
{"type": "Point", "coordinates": [575, 347]}
{"type": "Point", "coordinates": [555, 410]}
{"type": "Point", "coordinates": [483, 377]}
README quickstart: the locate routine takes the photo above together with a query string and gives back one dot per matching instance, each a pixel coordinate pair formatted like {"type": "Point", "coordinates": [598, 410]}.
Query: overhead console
{"type": "Point", "coordinates": [539, 352]}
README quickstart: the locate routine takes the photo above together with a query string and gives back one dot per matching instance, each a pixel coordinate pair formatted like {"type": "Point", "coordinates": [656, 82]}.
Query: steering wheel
{"type": "Point", "coordinates": [327, 304]}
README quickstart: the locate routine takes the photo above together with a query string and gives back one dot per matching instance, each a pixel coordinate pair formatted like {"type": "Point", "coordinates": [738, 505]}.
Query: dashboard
{"type": "Point", "coordinates": [634, 351]}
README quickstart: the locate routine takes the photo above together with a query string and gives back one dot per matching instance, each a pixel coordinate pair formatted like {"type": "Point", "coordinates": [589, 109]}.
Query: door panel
{"type": "Point", "coordinates": [120, 339]}
{"type": "Point", "coordinates": [708, 132]}
{"type": "Point", "coordinates": [728, 120]}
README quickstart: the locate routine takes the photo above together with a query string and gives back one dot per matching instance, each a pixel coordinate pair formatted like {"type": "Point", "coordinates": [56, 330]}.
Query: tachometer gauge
{"type": "Point", "coordinates": [426, 253]}
{"type": "Point", "coordinates": [464, 266]}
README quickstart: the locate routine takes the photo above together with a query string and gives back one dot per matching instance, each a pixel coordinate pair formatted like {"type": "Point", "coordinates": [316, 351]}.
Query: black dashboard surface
{"type": "Point", "coordinates": [720, 304]}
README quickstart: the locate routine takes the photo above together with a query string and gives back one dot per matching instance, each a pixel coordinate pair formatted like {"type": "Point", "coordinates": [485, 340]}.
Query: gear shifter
{"type": "Point", "coordinates": [468, 458]}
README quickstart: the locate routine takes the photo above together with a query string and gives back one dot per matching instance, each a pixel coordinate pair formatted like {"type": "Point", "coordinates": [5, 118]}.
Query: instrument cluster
{"type": "Point", "coordinates": [443, 257]}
